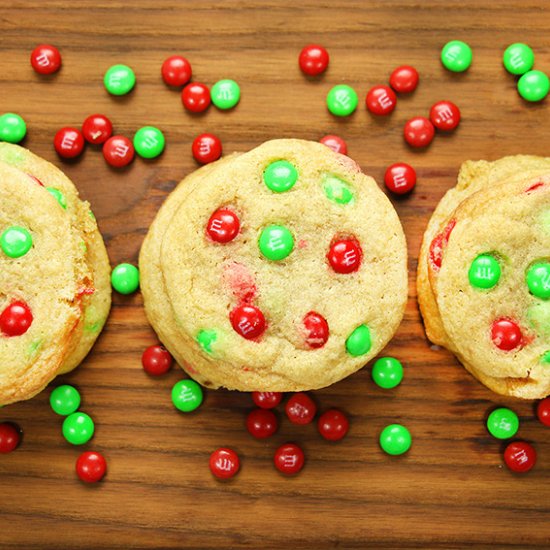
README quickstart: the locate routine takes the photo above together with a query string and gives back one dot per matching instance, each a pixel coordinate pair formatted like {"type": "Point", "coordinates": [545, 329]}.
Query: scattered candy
{"type": "Point", "coordinates": [125, 278]}
{"type": "Point", "coordinates": [418, 132]}
{"type": "Point", "coordinates": [78, 428]}
{"type": "Point", "coordinates": [91, 467]}
{"type": "Point", "coordinates": [484, 272]}
{"type": "Point", "coordinates": [15, 241]}
{"type": "Point", "coordinates": [224, 463]}
{"type": "Point", "coordinates": [506, 334]}
{"type": "Point", "coordinates": [97, 129]}
{"type": "Point", "coordinates": [118, 151]}
{"type": "Point", "coordinates": [68, 142]}
{"type": "Point", "coordinates": [225, 94]}
{"type": "Point", "coordinates": [289, 459]}
{"type": "Point", "coordinates": [395, 439]}
{"type": "Point", "coordinates": [119, 80]}
{"type": "Point", "coordinates": [196, 97]}
{"type": "Point", "coordinates": [543, 411]}
{"type": "Point", "coordinates": [336, 143]}
{"type": "Point", "coordinates": [456, 56]}
{"type": "Point", "coordinates": [503, 423]}
{"type": "Point", "coordinates": [149, 142]}
{"type": "Point", "coordinates": [538, 280]}
{"type": "Point", "coordinates": [316, 330]}
{"type": "Point", "coordinates": [276, 242]}
{"type": "Point", "coordinates": [65, 400]}
{"type": "Point", "coordinates": [46, 59]}
{"type": "Point", "coordinates": [223, 225]}
{"type": "Point", "coordinates": [445, 115]}
{"type": "Point", "coordinates": [12, 128]}
{"type": "Point", "coordinates": [156, 360]}
{"type": "Point", "coordinates": [266, 399]}
{"type": "Point", "coordinates": [381, 100]}
{"type": "Point", "coordinates": [206, 148]}
{"type": "Point", "coordinates": [280, 176]}
{"type": "Point", "coordinates": [400, 178]}
{"type": "Point", "coordinates": [10, 436]}
{"type": "Point", "coordinates": [520, 457]}
{"type": "Point", "coordinates": [187, 395]}
{"type": "Point", "coordinates": [345, 255]}
{"type": "Point", "coordinates": [342, 100]}
{"type": "Point", "coordinates": [248, 321]}
{"type": "Point", "coordinates": [261, 423]}
{"type": "Point", "coordinates": [387, 372]}
{"type": "Point", "coordinates": [533, 86]}
{"type": "Point", "coordinates": [359, 341]}
{"type": "Point", "coordinates": [313, 60]}
{"type": "Point", "coordinates": [176, 71]}
{"type": "Point", "coordinates": [404, 79]}
{"type": "Point", "coordinates": [518, 58]}
{"type": "Point", "coordinates": [333, 425]}
{"type": "Point", "coordinates": [300, 408]}
{"type": "Point", "coordinates": [16, 319]}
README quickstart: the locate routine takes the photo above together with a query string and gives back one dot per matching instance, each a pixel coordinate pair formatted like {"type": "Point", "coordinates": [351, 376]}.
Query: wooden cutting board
{"type": "Point", "coordinates": [451, 489]}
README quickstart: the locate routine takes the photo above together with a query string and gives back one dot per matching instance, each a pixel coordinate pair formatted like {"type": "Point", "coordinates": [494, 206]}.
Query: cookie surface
{"type": "Point", "coordinates": [312, 285]}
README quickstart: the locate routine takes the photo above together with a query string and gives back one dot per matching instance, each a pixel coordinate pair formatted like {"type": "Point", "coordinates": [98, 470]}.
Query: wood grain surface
{"type": "Point", "coordinates": [451, 490]}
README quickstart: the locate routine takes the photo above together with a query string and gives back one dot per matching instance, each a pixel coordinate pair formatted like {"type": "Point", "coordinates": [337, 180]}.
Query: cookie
{"type": "Point", "coordinates": [478, 254]}
{"type": "Point", "coordinates": [281, 269]}
{"type": "Point", "coordinates": [89, 260]}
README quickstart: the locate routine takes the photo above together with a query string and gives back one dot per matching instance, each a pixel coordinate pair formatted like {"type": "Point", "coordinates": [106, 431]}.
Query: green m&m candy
{"type": "Point", "coordinates": [205, 338]}
{"type": "Point", "coordinates": [456, 56]}
{"type": "Point", "coordinates": [225, 94]}
{"type": "Point", "coordinates": [125, 278]}
{"type": "Point", "coordinates": [342, 100]}
{"type": "Point", "coordinates": [186, 395]}
{"type": "Point", "coordinates": [78, 428]}
{"type": "Point", "coordinates": [276, 242]}
{"type": "Point", "coordinates": [484, 272]}
{"type": "Point", "coordinates": [538, 280]}
{"type": "Point", "coordinates": [12, 128]}
{"type": "Point", "coordinates": [280, 176]}
{"type": "Point", "coordinates": [15, 241]}
{"type": "Point", "coordinates": [395, 439]}
{"type": "Point", "coordinates": [518, 58]}
{"type": "Point", "coordinates": [545, 358]}
{"type": "Point", "coordinates": [119, 79]}
{"type": "Point", "coordinates": [533, 86]}
{"type": "Point", "coordinates": [337, 190]}
{"type": "Point", "coordinates": [387, 372]}
{"type": "Point", "coordinates": [503, 423]}
{"type": "Point", "coordinates": [58, 196]}
{"type": "Point", "coordinates": [149, 142]}
{"type": "Point", "coordinates": [64, 400]}
{"type": "Point", "coordinates": [359, 341]}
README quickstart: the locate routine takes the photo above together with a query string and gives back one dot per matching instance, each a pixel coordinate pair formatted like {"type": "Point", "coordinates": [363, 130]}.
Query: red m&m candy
{"type": "Point", "coordinates": [206, 148]}
{"type": "Point", "coordinates": [97, 129]}
{"type": "Point", "coordinates": [16, 319]}
{"type": "Point", "coordinates": [223, 225]}
{"type": "Point", "coordinates": [345, 255]}
{"type": "Point", "coordinates": [156, 360]}
{"type": "Point", "coordinates": [506, 334]}
{"type": "Point", "coordinates": [196, 97]}
{"type": "Point", "coordinates": [45, 59]}
{"type": "Point", "coordinates": [438, 244]}
{"type": "Point", "coordinates": [316, 330]}
{"type": "Point", "coordinates": [68, 142]}
{"type": "Point", "coordinates": [333, 425]}
{"type": "Point", "coordinates": [10, 436]}
{"type": "Point", "coordinates": [267, 399]}
{"type": "Point", "coordinates": [289, 459]}
{"type": "Point", "coordinates": [91, 467]}
{"type": "Point", "coordinates": [313, 60]}
{"type": "Point", "coordinates": [520, 457]}
{"type": "Point", "coordinates": [118, 151]}
{"type": "Point", "coordinates": [543, 411]}
{"type": "Point", "coordinates": [261, 423]}
{"type": "Point", "coordinates": [381, 100]}
{"type": "Point", "coordinates": [176, 71]}
{"type": "Point", "coordinates": [400, 178]}
{"type": "Point", "coordinates": [445, 115]}
{"type": "Point", "coordinates": [300, 408]}
{"type": "Point", "coordinates": [336, 143]}
{"type": "Point", "coordinates": [404, 79]}
{"type": "Point", "coordinates": [224, 463]}
{"type": "Point", "coordinates": [248, 321]}
{"type": "Point", "coordinates": [418, 132]}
